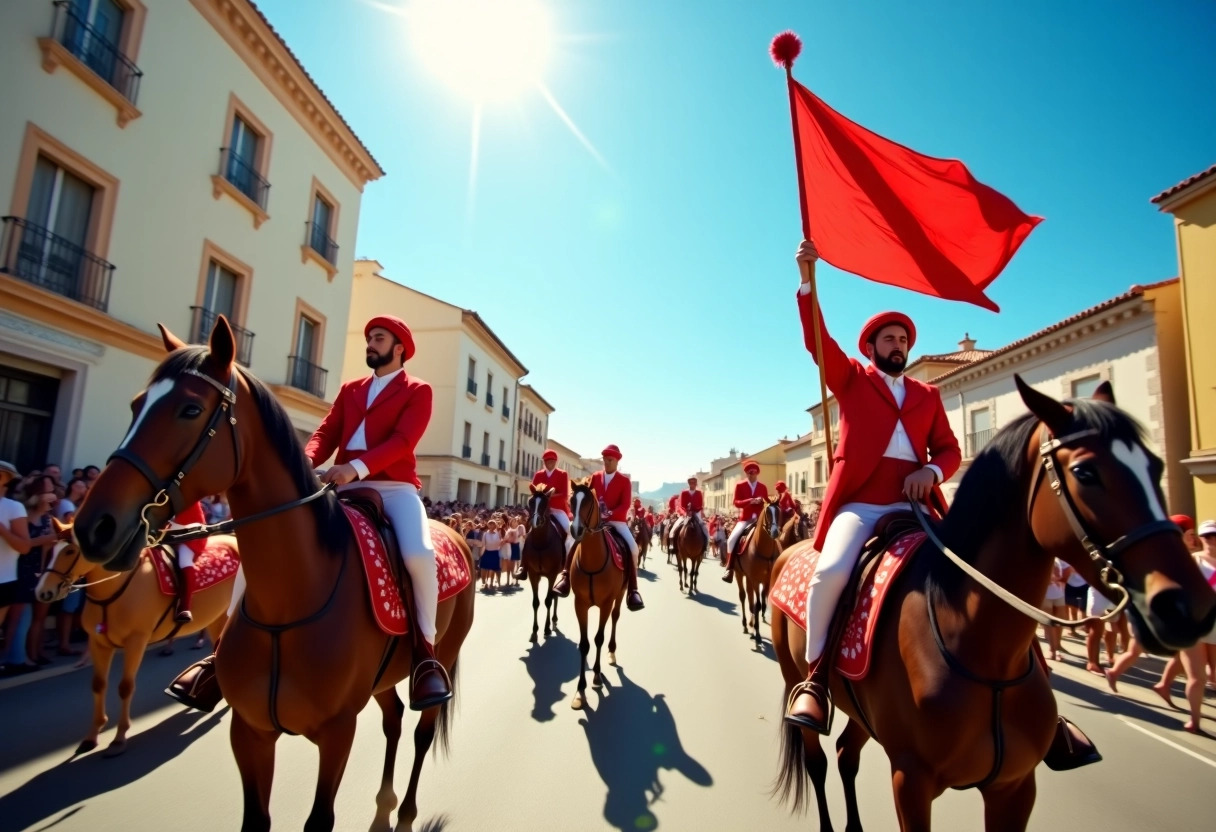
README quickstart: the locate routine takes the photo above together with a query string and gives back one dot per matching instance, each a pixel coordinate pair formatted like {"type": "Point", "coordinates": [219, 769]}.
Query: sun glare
{"type": "Point", "coordinates": [489, 50]}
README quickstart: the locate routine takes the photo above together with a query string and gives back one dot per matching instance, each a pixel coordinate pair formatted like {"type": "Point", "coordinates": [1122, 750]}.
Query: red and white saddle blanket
{"type": "Point", "coordinates": [616, 548]}
{"type": "Point", "coordinates": [218, 562]}
{"type": "Point", "coordinates": [450, 565]}
{"type": "Point", "coordinates": [853, 653]}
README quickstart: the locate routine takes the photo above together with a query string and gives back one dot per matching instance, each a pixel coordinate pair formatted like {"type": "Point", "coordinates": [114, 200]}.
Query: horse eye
{"type": "Point", "coordinates": [191, 411]}
{"type": "Point", "coordinates": [1085, 473]}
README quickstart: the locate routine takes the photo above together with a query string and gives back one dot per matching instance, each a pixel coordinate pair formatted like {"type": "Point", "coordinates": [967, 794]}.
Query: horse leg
{"type": "Point", "coordinates": [392, 710]}
{"type": "Point", "coordinates": [584, 647]}
{"type": "Point", "coordinates": [616, 614]}
{"type": "Point", "coordinates": [551, 603]}
{"type": "Point", "coordinates": [753, 604]}
{"type": "Point", "coordinates": [424, 735]}
{"type": "Point", "coordinates": [913, 795]}
{"type": "Point", "coordinates": [132, 657]}
{"type": "Point", "coordinates": [254, 754]}
{"type": "Point", "coordinates": [816, 763]}
{"type": "Point", "coordinates": [534, 579]}
{"type": "Point", "coordinates": [743, 608]}
{"type": "Point", "coordinates": [848, 760]}
{"type": "Point", "coordinates": [597, 677]}
{"type": "Point", "coordinates": [1007, 807]}
{"type": "Point", "coordinates": [333, 741]}
{"type": "Point", "coordinates": [103, 656]}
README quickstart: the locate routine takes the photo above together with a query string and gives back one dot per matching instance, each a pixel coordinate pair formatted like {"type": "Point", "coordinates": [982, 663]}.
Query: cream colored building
{"type": "Point", "coordinates": [570, 461]}
{"type": "Point", "coordinates": [466, 451]}
{"type": "Point", "coordinates": [531, 435]}
{"type": "Point", "coordinates": [163, 161]}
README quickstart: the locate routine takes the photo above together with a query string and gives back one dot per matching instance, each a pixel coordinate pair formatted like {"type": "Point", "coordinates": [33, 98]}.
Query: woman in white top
{"type": "Point", "coordinates": [65, 509]}
{"type": "Point", "coordinates": [1053, 604]}
{"type": "Point", "coordinates": [14, 542]}
{"type": "Point", "coordinates": [492, 543]}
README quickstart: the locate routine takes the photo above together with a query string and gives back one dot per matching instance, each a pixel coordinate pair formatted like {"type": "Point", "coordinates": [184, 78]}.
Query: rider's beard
{"type": "Point", "coordinates": [892, 364]}
{"type": "Point", "coordinates": [377, 360]}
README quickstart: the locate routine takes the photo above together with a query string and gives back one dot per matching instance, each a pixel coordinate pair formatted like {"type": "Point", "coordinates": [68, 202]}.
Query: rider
{"type": "Point", "coordinates": [559, 500]}
{"type": "Point", "coordinates": [692, 503]}
{"type": "Point", "coordinates": [186, 552]}
{"type": "Point", "coordinates": [786, 503]}
{"type": "Point", "coordinates": [612, 489]}
{"type": "Point", "coordinates": [750, 495]}
{"type": "Point", "coordinates": [674, 516]}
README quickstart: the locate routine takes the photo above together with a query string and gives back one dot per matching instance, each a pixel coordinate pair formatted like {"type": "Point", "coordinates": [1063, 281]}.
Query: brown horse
{"type": "Point", "coordinates": [543, 556]}
{"type": "Point", "coordinates": [595, 582]}
{"type": "Point", "coordinates": [754, 566]}
{"type": "Point", "coordinates": [305, 654]}
{"type": "Point", "coordinates": [691, 541]}
{"type": "Point", "coordinates": [955, 693]}
{"type": "Point", "coordinates": [794, 531]}
{"type": "Point", "coordinates": [641, 533]}
{"type": "Point", "coordinates": [126, 611]}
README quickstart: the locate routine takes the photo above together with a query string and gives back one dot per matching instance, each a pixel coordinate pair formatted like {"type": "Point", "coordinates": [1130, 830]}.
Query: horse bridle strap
{"type": "Point", "coordinates": [197, 531]}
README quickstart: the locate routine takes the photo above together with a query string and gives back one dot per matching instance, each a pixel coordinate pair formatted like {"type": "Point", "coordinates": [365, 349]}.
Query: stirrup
{"type": "Point", "coordinates": [806, 686]}
{"type": "Point", "coordinates": [437, 699]}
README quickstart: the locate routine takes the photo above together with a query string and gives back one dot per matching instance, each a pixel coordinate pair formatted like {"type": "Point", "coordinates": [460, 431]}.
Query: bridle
{"type": "Point", "coordinates": [168, 490]}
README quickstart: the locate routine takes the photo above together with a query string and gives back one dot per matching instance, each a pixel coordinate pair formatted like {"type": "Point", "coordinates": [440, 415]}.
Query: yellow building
{"type": "Point", "coordinates": [1192, 203]}
{"type": "Point", "coordinates": [163, 161]}
{"type": "Point", "coordinates": [772, 468]}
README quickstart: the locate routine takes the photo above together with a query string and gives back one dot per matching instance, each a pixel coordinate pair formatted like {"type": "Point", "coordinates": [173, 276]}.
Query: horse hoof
{"type": "Point", "coordinates": [612, 659]}
{"type": "Point", "coordinates": [533, 639]}
{"type": "Point", "coordinates": [115, 749]}
{"type": "Point", "coordinates": [86, 746]}
{"type": "Point", "coordinates": [577, 702]}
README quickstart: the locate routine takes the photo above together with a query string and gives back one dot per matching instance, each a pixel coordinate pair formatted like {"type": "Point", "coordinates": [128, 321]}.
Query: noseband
{"type": "Point", "coordinates": [168, 491]}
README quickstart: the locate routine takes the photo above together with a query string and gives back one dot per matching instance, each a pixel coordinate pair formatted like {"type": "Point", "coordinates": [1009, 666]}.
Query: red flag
{"type": "Point", "coordinates": [887, 213]}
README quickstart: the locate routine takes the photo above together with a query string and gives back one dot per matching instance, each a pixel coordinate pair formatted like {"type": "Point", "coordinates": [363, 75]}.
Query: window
{"type": "Point", "coordinates": [506, 410]}
{"type": "Point", "coordinates": [223, 290]}
{"type": "Point", "coordinates": [502, 455]}
{"type": "Point", "coordinates": [244, 161]}
{"type": "Point", "coordinates": [835, 415]}
{"type": "Point", "coordinates": [303, 370]}
{"type": "Point", "coordinates": [466, 450]}
{"type": "Point", "coordinates": [818, 470]}
{"type": "Point", "coordinates": [485, 449]}
{"type": "Point", "coordinates": [980, 430]}
{"type": "Point", "coordinates": [321, 230]}
{"type": "Point", "coordinates": [54, 237]}
{"type": "Point", "coordinates": [471, 385]}
{"type": "Point", "coordinates": [96, 41]}
{"type": "Point", "coordinates": [1083, 388]}
{"type": "Point", "coordinates": [818, 422]}
{"type": "Point", "coordinates": [489, 389]}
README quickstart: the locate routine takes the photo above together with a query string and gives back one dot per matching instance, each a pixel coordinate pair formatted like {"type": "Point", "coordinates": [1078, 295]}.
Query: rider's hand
{"type": "Point", "coordinates": [756, 501]}
{"type": "Point", "coordinates": [340, 474]}
{"type": "Point", "coordinates": [919, 485]}
{"type": "Point", "coordinates": [807, 253]}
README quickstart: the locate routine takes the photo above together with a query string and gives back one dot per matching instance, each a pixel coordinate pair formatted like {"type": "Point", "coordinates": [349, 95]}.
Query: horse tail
{"type": "Point", "coordinates": [791, 786]}
{"type": "Point", "coordinates": [443, 723]}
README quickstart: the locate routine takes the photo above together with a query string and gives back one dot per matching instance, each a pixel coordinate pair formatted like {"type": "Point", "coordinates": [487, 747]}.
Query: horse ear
{"type": "Point", "coordinates": [222, 345]}
{"type": "Point", "coordinates": [172, 342]}
{"type": "Point", "coordinates": [549, 491]}
{"type": "Point", "coordinates": [63, 531]}
{"type": "Point", "coordinates": [1049, 411]}
{"type": "Point", "coordinates": [1104, 393]}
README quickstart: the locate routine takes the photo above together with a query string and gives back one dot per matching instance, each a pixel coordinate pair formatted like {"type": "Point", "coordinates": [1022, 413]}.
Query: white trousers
{"type": "Point", "coordinates": [408, 515]}
{"type": "Point", "coordinates": [563, 520]}
{"type": "Point", "coordinates": [736, 533]}
{"type": "Point", "coordinates": [185, 556]}
{"type": "Point", "coordinates": [627, 533]}
{"type": "Point", "coordinates": [852, 526]}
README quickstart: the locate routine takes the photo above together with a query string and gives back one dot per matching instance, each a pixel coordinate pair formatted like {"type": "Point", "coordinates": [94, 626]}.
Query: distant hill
{"type": "Point", "coordinates": [660, 494]}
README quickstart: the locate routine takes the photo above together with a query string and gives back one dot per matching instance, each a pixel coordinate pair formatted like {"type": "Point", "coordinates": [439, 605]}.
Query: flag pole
{"type": "Point", "coordinates": [784, 50]}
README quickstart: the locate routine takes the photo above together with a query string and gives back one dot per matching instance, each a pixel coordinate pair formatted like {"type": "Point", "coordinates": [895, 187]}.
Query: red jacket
{"type": "Point", "coordinates": [692, 501]}
{"type": "Point", "coordinates": [193, 514]}
{"type": "Point", "coordinates": [787, 503]}
{"type": "Point", "coordinates": [868, 414]}
{"type": "Point", "coordinates": [615, 497]}
{"type": "Point", "coordinates": [559, 481]}
{"type": "Point", "coordinates": [672, 504]}
{"type": "Point", "coordinates": [395, 423]}
{"type": "Point", "coordinates": [743, 498]}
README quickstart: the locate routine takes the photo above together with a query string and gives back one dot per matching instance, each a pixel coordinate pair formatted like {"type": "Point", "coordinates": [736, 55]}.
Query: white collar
{"type": "Point", "coordinates": [892, 381]}
{"type": "Point", "coordinates": [382, 381]}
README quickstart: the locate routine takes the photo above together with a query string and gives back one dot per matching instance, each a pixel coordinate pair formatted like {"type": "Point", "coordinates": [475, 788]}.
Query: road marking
{"type": "Point", "coordinates": [1170, 743]}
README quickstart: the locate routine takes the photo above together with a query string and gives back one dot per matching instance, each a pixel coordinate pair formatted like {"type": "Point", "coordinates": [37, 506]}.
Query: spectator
{"type": "Point", "coordinates": [14, 542]}
{"type": "Point", "coordinates": [91, 473]}
{"type": "Point", "coordinates": [77, 473]}
{"type": "Point", "coordinates": [53, 471]}
{"type": "Point", "coordinates": [39, 500]}
{"type": "Point", "coordinates": [65, 509]}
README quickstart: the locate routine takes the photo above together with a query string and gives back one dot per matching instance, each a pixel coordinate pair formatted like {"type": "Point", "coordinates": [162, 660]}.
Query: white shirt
{"type": "Point", "coordinates": [358, 439]}
{"type": "Point", "coordinates": [753, 485]}
{"type": "Point", "coordinates": [10, 510]}
{"type": "Point", "coordinates": [608, 478]}
{"type": "Point", "coordinates": [900, 446]}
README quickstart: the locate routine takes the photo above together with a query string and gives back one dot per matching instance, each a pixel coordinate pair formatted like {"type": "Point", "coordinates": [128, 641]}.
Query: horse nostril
{"type": "Point", "coordinates": [102, 532]}
{"type": "Point", "coordinates": [1173, 609]}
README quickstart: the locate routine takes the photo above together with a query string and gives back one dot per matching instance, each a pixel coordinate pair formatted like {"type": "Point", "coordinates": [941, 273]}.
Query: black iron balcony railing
{"type": "Point", "coordinates": [201, 323]}
{"type": "Point", "coordinates": [36, 255]}
{"type": "Point", "coordinates": [243, 176]}
{"type": "Point", "coordinates": [319, 241]}
{"type": "Point", "coordinates": [472, 387]}
{"type": "Point", "coordinates": [485, 460]}
{"type": "Point", "coordinates": [466, 452]}
{"type": "Point", "coordinates": [489, 399]}
{"type": "Point", "coordinates": [977, 440]}
{"type": "Point", "coordinates": [506, 412]}
{"type": "Point", "coordinates": [816, 492]}
{"type": "Point", "coordinates": [502, 465]}
{"type": "Point", "coordinates": [95, 51]}
{"type": "Point", "coordinates": [304, 375]}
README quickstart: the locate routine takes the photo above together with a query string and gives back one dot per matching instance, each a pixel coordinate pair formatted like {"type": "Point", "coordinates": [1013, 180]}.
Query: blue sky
{"type": "Point", "coordinates": [651, 296]}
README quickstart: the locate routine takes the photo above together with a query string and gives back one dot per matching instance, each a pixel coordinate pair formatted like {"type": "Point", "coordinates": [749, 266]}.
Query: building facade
{"type": "Point", "coordinates": [467, 450]}
{"type": "Point", "coordinates": [1192, 204]}
{"type": "Point", "coordinates": [531, 436]}
{"type": "Point", "coordinates": [164, 161]}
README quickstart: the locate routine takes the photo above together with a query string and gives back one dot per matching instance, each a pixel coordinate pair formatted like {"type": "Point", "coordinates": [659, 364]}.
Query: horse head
{"type": "Point", "coordinates": [1095, 501]}
{"type": "Point", "coordinates": [585, 507]}
{"type": "Point", "coordinates": [167, 461]}
{"type": "Point", "coordinates": [65, 568]}
{"type": "Point", "coordinates": [538, 505]}
{"type": "Point", "coordinates": [771, 517]}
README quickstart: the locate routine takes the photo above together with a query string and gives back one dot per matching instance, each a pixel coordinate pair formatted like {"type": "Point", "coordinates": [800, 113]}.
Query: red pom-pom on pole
{"type": "Point", "coordinates": [785, 49]}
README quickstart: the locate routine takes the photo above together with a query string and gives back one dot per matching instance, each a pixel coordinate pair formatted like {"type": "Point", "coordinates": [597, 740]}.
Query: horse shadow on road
{"type": "Point", "coordinates": [79, 779]}
{"type": "Point", "coordinates": [633, 737]}
{"type": "Point", "coordinates": [551, 663]}
{"type": "Point", "coordinates": [714, 602]}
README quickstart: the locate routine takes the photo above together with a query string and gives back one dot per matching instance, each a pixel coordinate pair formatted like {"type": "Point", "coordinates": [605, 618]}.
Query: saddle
{"type": "Point", "coordinates": [749, 528]}
{"type": "Point", "coordinates": [617, 547]}
{"type": "Point", "coordinates": [369, 503]}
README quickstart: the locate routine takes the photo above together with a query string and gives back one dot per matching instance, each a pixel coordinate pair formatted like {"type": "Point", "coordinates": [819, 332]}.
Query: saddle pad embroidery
{"type": "Point", "coordinates": [218, 562]}
{"type": "Point", "coordinates": [614, 548]}
{"type": "Point", "coordinates": [853, 655]}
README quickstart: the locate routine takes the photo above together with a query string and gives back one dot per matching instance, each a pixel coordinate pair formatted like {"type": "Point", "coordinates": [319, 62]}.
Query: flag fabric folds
{"type": "Point", "coordinates": [892, 215]}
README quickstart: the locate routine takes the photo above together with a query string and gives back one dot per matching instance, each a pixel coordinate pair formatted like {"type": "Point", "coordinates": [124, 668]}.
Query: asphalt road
{"type": "Point", "coordinates": [683, 737]}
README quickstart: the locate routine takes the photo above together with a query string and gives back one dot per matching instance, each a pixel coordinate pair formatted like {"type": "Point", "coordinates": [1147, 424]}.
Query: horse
{"type": "Point", "coordinates": [754, 566]}
{"type": "Point", "coordinates": [305, 654]}
{"type": "Point", "coordinates": [127, 615]}
{"type": "Point", "coordinates": [956, 694]}
{"type": "Point", "coordinates": [595, 582]}
{"type": "Point", "coordinates": [641, 534]}
{"type": "Point", "coordinates": [543, 556]}
{"type": "Point", "coordinates": [691, 541]}
{"type": "Point", "coordinates": [794, 530]}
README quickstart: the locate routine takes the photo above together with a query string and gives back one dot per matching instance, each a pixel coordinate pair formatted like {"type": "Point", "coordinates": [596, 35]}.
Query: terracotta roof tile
{"type": "Point", "coordinates": [1183, 185]}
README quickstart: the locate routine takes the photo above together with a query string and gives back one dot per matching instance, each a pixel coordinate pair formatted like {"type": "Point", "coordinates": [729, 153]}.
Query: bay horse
{"type": "Point", "coordinates": [595, 582]}
{"type": "Point", "coordinates": [305, 654]}
{"type": "Point", "coordinates": [543, 556]}
{"type": "Point", "coordinates": [956, 694]}
{"type": "Point", "coordinates": [794, 531]}
{"type": "Point", "coordinates": [691, 541]}
{"type": "Point", "coordinates": [126, 611]}
{"type": "Point", "coordinates": [641, 533]}
{"type": "Point", "coordinates": [754, 566]}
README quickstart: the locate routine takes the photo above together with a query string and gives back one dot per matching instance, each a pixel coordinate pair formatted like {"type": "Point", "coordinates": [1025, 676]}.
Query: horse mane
{"type": "Point", "coordinates": [332, 528]}
{"type": "Point", "coordinates": [1000, 476]}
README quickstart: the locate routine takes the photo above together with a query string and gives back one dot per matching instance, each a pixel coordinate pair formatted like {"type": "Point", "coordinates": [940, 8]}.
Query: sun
{"type": "Point", "coordinates": [488, 50]}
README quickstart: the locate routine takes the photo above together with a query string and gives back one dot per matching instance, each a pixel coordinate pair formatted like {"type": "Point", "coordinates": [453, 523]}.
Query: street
{"type": "Point", "coordinates": [683, 737]}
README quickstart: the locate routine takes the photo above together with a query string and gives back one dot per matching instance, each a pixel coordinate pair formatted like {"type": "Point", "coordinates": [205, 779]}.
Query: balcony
{"type": "Point", "coordinates": [317, 239]}
{"type": "Point", "coordinates": [502, 465]}
{"type": "Point", "coordinates": [977, 440]}
{"type": "Point", "coordinates": [91, 56]}
{"type": "Point", "coordinates": [466, 452]}
{"type": "Point", "coordinates": [306, 376]}
{"type": "Point", "coordinates": [471, 388]}
{"type": "Point", "coordinates": [506, 412]}
{"type": "Point", "coordinates": [203, 320]}
{"type": "Point", "coordinates": [485, 460]}
{"type": "Point", "coordinates": [241, 174]}
{"type": "Point", "coordinates": [35, 255]}
{"type": "Point", "coordinates": [489, 400]}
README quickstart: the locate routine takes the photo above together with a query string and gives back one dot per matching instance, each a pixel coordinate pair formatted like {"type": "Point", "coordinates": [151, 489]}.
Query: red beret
{"type": "Point", "coordinates": [781, 486]}
{"type": "Point", "coordinates": [397, 327]}
{"type": "Point", "coordinates": [751, 464]}
{"type": "Point", "coordinates": [611, 451]}
{"type": "Point", "coordinates": [886, 319]}
{"type": "Point", "coordinates": [1183, 522]}
{"type": "Point", "coordinates": [549, 454]}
